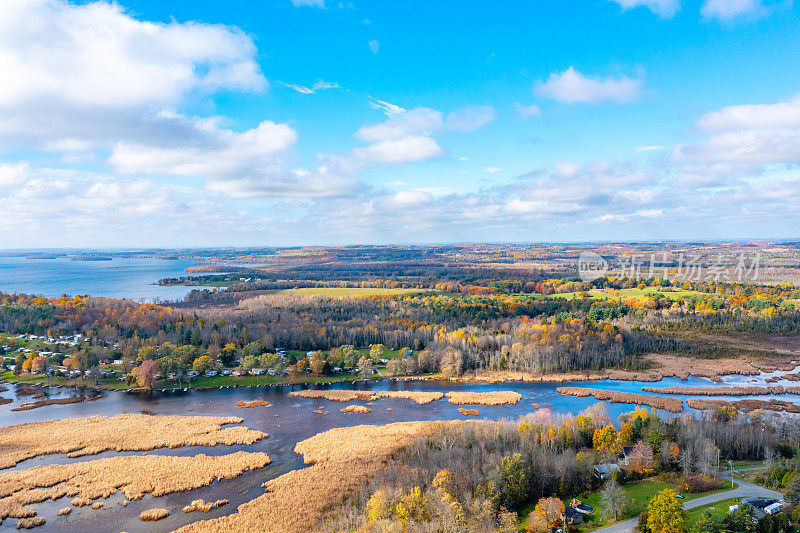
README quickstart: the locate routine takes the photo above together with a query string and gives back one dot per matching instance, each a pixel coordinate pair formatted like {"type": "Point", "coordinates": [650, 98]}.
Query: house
{"type": "Point", "coordinates": [626, 452]}
{"type": "Point", "coordinates": [572, 516]}
{"type": "Point", "coordinates": [225, 371]}
{"type": "Point", "coordinates": [237, 373]}
{"type": "Point", "coordinates": [257, 371]}
{"type": "Point", "coordinates": [210, 373]}
{"type": "Point", "coordinates": [605, 471]}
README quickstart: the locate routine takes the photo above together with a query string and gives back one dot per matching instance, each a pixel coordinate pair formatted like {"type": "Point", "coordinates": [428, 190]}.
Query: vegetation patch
{"type": "Point", "coordinates": [336, 395]}
{"type": "Point", "coordinates": [673, 405]}
{"type": "Point", "coordinates": [134, 476]}
{"type": "Point", "coordinates": [724, 391]}
{"type": "Point", "coordinates": [421, 397]}
{"type": "Point", "coordinates": [744, 405]}
{"type": "Point", "coordinates": [467, 412]}
{"type": "Point", "coordinates": [342, 459]}
{"type": "Point", "coordinates": [153, 515]}
{"type": "Point", "coordinates": [255, 403]}
{"type": "Point", "coordinates": [127, 432]}
{"type": "Point", "coordinates": [50, 401]}
{"type": "Point", "coordinates": [203, 507]}
{"type": "Point", "coordinates": [29, 523]}
{"type": "Point", "coordinates": [355, 409]}
{"type": "Point", "coordinates": [484, 398]}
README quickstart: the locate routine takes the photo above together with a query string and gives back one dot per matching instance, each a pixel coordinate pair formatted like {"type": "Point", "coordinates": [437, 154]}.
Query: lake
{"type": "Point", "coordinates": [295, 421]}
{"type": "Point", "coordinates": [132, 278]}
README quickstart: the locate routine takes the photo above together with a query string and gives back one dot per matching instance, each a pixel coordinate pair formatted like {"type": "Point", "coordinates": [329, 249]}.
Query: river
{"type": "Point", "coordinates": [287, 420]}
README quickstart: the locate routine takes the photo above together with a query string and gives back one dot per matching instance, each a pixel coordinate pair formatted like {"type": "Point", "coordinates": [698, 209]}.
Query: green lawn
{"type": "Point", "coordinates": [719, 509]}
{"type": "Point", "coordinates": [639, 493]}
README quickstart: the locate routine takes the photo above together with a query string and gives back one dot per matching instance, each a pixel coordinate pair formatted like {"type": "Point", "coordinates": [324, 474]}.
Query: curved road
{"type": "Point", "coordinates": [744, 490]}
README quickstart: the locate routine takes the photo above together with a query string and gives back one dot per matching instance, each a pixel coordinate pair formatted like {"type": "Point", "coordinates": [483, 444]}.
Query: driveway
{"type": "Point", "coordinates": [744, 490]}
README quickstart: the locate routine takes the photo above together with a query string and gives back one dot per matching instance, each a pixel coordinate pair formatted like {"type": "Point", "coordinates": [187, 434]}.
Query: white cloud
{"type": "Point", "coordinates": [728, 9]}
{"type": "Point", "coordinates": [318, 86]}
{"type": "Point", "coordinates": [469, 118]}
{"type": "Point", "coordinates": [662, 8]}
{"type": "Point", "coordinates": [374, 46]}
{"type": "Point", "coordinates": [388, 108]}
{"type": "Point", "coordinates": [311, 3]}
{"type": "Point", "coordinates": [408, 149]}
{"type": "Point", "coordinates": [223, 154]}
{"type": "Point", "coordinates": [741, 141]}
{"type": "Point", "coordinates": [94, 73]}
{"type": "Point", "coordinates": [649, 148]}
{"type": "Point", "coordinates": [573, 87]}
{"type": "Point", "coordinates": [402, 123]}
{"type": "Point", "coordinates": [528, 111]}
{"type": "Point", "coordinates": [492, 170]}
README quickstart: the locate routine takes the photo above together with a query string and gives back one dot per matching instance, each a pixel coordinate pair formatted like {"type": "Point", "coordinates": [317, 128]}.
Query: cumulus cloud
{"type": "Point", "coordinates": [741, 140]}
{"type": "Point", "coordinates": [92, 72]}
{"type": "Point", "coordinates": [573, 87]}
{"type": "Point", "coordinates": [662, 8]}
{"type": "Point", "coordinates": [407, 136]}
{"type": "Point", "coordinates": [374, 46]}
{"type": "Point", "coordinates": [728, 9]}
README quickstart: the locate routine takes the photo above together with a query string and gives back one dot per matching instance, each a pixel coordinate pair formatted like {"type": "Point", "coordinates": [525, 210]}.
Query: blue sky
{"type": "Point", "coordinates": [290, 122]}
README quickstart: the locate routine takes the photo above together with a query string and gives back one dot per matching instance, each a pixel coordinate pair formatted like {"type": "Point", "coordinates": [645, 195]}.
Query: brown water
{"type": "Point", "coordinates": [294, 422]}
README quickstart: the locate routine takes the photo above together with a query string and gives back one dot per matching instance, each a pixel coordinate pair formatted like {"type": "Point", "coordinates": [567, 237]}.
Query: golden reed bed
{"type": "Point", "coordinates": [725, 391]}
{"type": "Point", "coordinates": [355, 409]}
{"type": "Point", "coordinates": [674, 405]}
{"type": "Point", "coordinates": [87, 436]}
{"type": "Point", "coordinates": [744, 405]}
{"type": "Point", "coordinates": [203, 507]}
{"type": "Point", "coordinates": [133, 476]}
{"type": "Point", "coordinates": [342, 459]}
{"type": "Point", "coordinates": [336, 395]}
{"type": "Point", "coordinates": [468, 412]}
{"type": "Point", "coordinates": [153, 515]}
{"type": "Point", "coordinates": [484, 398]}
{"type": "Point", "coordinates": [255, 403]}
{"type": "Point", "coordinates": [421, 397]}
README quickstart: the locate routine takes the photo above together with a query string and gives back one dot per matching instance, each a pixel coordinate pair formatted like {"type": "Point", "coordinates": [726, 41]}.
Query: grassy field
{"type": "Point", "coordinates": [605, 294]}
{"type": "Point", "coordinates": [639, 493]}
{"type": "Point", "coordinates": [719, 509]}
{"type": "Point", "coordinates": [344, 292]}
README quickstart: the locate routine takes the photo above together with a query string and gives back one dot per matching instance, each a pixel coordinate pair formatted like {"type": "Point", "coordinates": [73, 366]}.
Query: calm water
{"type": "Point", "coordinates": [294, 422]}
{"type": "Point", "coordinates": [118, 278]}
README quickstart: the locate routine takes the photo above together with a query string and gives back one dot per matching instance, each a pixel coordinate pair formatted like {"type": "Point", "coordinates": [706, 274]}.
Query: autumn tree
{"type": "Point", "coordinates": [548, 512]}
{"type": "Point", "coordinates": [365, 365]}
{"type": "Point", "coordinates": [604, 440]}
{"type": "Point", "coordinates": [202, 363]}
{"type": "Point", "coordinates": [613, 499]}
{"type": "Point", "coordinates": [376, 352]}
{"type": "Point", "coordinates": [640, 459]}
{"type": "Point", "coordinates": [145, 374]}
{"type": "Point", "coordinates": [665, 513]}
{"type": "Point", "coordinates": [513, 481]}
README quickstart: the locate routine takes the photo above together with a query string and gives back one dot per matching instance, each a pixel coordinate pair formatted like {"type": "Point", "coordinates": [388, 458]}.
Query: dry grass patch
{"type": "Point", "coordinates": [673, 405]}
{"type": "Point", "coordinates": [745, 405]}
{"type": "Point", "coordinates": [203, 507]}
{"type": "Point", "coordinates": [133, 476]}
{"type": "Point", "coordinates": [342, 459]}
{"type": "Point", "coordinates": [65, 511]}
{"type": "Point", "coordinates": [152, 515]}
{"type": "Point", "coordinates": [484, 398]}
{"type": "Point", "coordinates": [4, 401]}
{"type": "Point", "coordinates": [421, 397]}
{"type": "Point", "coordinates": [255, 403]}
{"type": "Point", "coordinates": [355, 409]}
{"type": "Point", "coordinates": [725, 391]}
{"type": "Point", "coordinates": [29, 523]}
{"type": "Point", "coordinates": [51, 401]}
{"type": "Point", "coordinates": [336, 395]}
{"type": "Point", "coordinates": [87, 436]}
{"type": "Point", "coordinates": [467, 412]}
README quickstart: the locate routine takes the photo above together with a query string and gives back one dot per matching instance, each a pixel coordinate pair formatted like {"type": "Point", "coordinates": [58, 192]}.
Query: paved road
{"type": "Point", "coordinates": [744, 490]}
